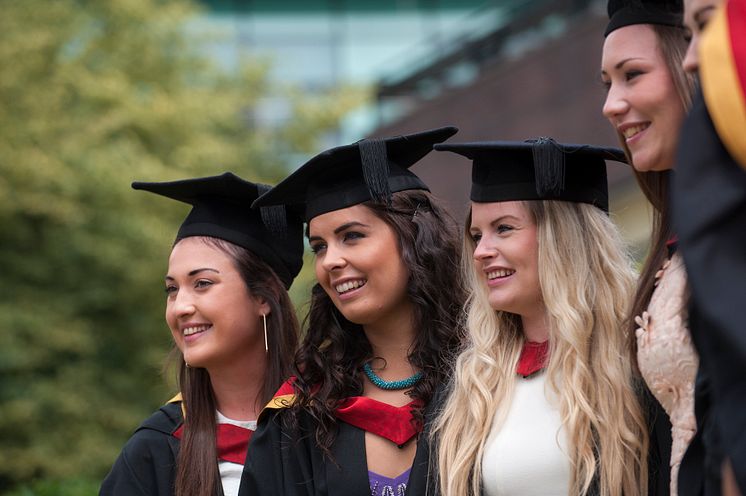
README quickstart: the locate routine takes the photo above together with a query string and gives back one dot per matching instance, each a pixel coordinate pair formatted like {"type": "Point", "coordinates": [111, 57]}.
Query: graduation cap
{"type": "Point", "coordinates": [370, 169]}
{"type": "Point", "coordinates": [539, 169]}
{"type": "Point", "coordinates": [628, 12]}
{"type": "Point", "coordinates": [221, 208]}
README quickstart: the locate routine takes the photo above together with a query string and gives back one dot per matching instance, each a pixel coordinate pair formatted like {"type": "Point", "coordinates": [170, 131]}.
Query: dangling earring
{"type": "Point", "coordinates": [264, 318]}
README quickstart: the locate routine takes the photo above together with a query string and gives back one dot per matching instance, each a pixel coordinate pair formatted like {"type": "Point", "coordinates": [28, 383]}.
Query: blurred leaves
{"type": "Point", "coordinates": [95, 94]}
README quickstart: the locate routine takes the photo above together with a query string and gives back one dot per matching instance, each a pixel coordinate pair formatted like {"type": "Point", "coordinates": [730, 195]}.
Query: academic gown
{"type": "Point", "coordinates": [659, 447]}
{"type": "Point", "coordinates": [146, 465]}
{"type": "Point", "coordinates": [281, 464]}
{"type": "Point", "coordinates": [709, 207]}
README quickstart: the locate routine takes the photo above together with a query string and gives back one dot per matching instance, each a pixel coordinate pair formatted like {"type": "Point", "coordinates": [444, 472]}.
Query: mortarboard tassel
{"type": "Point", "coordinates": [549, 166]}
{"type": "Point", "coordinates": [274, 217]}
{"type": "Point", "coordinates": [375, 163]}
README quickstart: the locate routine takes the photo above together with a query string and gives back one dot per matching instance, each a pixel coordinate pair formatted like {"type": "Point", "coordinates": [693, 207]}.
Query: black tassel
{"type": "Point", "coordinates": [274, 217]}
{"type": "Point", "coordinates": [549, 167]}
{"type": "Point", "coordinates": [376, 169]}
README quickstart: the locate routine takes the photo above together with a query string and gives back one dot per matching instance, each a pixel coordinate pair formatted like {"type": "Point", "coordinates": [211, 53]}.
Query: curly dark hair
{"type": "Point", "coordinates": [330, 358]}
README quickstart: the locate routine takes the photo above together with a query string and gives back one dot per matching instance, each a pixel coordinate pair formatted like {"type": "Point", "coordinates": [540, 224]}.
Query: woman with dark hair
{"type": "Point", "coordinates": [648, 96]}
{"type": "Point", "coordinates": [234, 331]}
{"type": "Point", "coordinates": [382, 329]}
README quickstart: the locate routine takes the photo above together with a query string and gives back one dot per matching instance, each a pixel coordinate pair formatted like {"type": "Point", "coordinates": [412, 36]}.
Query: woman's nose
{"type": "Point", "coordinates": [615, 104]}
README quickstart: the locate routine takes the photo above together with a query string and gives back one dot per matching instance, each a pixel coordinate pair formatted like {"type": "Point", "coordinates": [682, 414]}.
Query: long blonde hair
{"type": "Point", "coordinates": [586, 280]}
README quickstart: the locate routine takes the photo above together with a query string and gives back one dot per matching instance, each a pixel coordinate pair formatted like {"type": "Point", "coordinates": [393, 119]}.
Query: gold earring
{"type": "Point", "coordinates": [264, 318]}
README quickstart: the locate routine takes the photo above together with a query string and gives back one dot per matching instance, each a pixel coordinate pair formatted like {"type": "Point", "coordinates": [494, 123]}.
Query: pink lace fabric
{"type": "Point", "coordinates": [667, 358]}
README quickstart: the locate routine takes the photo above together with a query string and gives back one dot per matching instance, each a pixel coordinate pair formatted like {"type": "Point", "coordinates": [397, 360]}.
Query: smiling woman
{"type": "Point", "coordinates": [506, 252]}
{"type": "Point", "coordinates": [648, 96]}
{"type": "Point", "coordinates": [203, 282]}
{"type": "Point", "coordinates": [642, 102]}
{"type": "Point", "coordinates": [358, 265]}
{"type": "Point", "coordinates": [234, 331]}
{"type": "Point", "coordinates": [544, 397]}
{"type": "Point", "coordinates": [382, 328]}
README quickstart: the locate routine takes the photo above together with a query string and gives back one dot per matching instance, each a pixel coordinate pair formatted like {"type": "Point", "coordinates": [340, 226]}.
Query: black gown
{"type": "Point", "coordinates": [279, 463]}
{"type": "Point", "coordinates": [709, 207]}
{"type": "Point", "coordinates": [146, 465]}
{"type": "Point", "coordinates": [659, 448]}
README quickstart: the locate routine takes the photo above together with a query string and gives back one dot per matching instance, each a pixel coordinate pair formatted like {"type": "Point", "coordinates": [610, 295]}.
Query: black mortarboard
{"type": "Point", "coordinates": [628, 12]}
{"type": "Point", "coordinates": [370, 169]}
{"type": "Point", "coordinates": [540, 169]}
{"type": "Point", "coordinates": [221, 208]}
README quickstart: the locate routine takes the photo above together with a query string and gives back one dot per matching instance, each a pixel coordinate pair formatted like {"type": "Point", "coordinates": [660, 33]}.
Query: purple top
{"type": "Point", "coordinates": [386, 486]}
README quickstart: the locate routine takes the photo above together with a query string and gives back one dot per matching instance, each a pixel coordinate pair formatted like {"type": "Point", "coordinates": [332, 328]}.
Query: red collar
{"type": "Point", "coordinates": [533, 358]}
{"type": "Point", "coordinates": [672, 245]}
{"type": "Point", "coordinates": [232, 442]}
{"type": "Point", "coordinates": [394, 423]}
{"type": "Point", "coordinates": [391, 422]}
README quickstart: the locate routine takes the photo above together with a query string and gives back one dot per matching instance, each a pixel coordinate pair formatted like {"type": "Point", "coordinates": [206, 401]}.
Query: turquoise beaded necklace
{"type": "Point", "coordinates": [391, 385]}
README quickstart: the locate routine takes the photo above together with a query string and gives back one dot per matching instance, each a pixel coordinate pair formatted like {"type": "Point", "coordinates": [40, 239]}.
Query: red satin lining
{"type": "Point", "coordinates": [391, 422]}
{"type": "Point", "coordinates": [287, 387]}
{"type": "Point", "coordinates": [232, 442]}
{"type": "Point", "coordinates": [533, 358]}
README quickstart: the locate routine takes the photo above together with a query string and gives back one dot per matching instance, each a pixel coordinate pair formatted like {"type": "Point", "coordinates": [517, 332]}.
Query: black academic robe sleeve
{"type": "Point", "coordinates": [709, 208]}
{"type": "Point", "coordinates": [659, 447]}
{"type": "Point", "coordinates": [280, 462]}
{"type": "Point", "coordinates": [145, 467]}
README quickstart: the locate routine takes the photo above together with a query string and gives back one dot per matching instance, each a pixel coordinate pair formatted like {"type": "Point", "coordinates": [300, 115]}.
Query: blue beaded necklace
{"type": "Point", "coordinates": [391, 385]}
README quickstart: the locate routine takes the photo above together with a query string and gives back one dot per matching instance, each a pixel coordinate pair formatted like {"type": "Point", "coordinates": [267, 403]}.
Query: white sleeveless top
{"type": "Point", "coordinates": [230, 473]}
{"type": "Point", "coordinates": [527, 456]}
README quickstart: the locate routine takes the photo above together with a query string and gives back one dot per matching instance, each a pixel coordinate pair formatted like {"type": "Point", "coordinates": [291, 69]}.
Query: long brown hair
{"type": "Point", "coordinates": [196, 467]}
{"type": "Point", "coordinates": [333, 351]}
{"type": "Point", "coordinates": [655, 184]}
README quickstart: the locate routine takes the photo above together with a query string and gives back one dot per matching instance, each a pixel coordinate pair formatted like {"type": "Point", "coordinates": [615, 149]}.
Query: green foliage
{"type": "Point", "coordinates": [93, 95]}
{"type": "Point", "coordinates": [68, 487]}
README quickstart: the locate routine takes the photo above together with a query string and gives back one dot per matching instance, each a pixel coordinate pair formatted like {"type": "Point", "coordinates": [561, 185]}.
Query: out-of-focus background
{"type": "Point", "coordinates": [97, 93]}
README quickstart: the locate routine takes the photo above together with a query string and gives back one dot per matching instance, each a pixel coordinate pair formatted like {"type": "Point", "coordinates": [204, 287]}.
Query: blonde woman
{"type": "Point", "coordinates": [544, 399]}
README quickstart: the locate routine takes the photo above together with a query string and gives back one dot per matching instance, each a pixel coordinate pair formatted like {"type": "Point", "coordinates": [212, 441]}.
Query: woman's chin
{"type": "Point", "coordinates": [644, 161]}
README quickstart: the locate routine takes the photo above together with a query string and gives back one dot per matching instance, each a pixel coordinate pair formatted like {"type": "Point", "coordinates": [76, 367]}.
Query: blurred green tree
{"type": "Point", "coordinates": [95, 94]}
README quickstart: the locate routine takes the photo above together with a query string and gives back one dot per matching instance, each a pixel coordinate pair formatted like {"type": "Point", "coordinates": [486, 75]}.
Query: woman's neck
{"type": "Point", "coordinates": [535, 326]}
{"type": "Point", "coordinates": [238, 387]}
{"type": "Point", "coordinates": [392, 338]}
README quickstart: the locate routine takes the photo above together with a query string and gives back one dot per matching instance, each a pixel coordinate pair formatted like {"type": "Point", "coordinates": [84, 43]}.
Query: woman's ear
{"type": "Point", "coordinates": [263, 306]}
